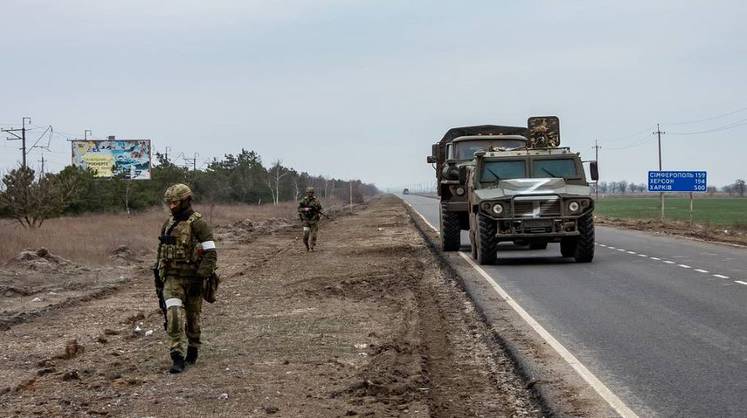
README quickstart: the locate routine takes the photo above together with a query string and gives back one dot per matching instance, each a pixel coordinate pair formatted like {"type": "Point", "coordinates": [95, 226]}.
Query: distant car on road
{"type": "Point", "coordinates": [406, 191]}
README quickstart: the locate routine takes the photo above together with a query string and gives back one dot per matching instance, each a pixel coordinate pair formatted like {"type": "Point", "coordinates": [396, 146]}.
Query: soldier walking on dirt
{"type": "Point", "coordinates": [186, 260]}
{"type": "Point", "coordinates": [309, 211]}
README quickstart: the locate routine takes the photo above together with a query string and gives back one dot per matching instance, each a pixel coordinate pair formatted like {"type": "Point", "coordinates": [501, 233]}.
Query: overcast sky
{"type": "Point", "coordinates": [362, 88]}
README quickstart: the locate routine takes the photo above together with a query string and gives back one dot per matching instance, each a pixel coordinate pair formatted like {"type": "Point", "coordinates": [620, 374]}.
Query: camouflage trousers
{"type": "Point", "coordinates": [183, 296]}
{"type": "Point", "coordinates": [310, 230]}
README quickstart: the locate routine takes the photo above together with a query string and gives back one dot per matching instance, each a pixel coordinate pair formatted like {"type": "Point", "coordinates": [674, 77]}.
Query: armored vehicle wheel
{"type": "Point", "coordinates": [487, 244]}
{"type": "Point", "coordinates": [585, 242]}
{"type": "Point", "coordinates": [568, 246]}
{"type": "Point", "coordinates": [450, 230]}
{"type": "Point", "coordinates": [537, 245]}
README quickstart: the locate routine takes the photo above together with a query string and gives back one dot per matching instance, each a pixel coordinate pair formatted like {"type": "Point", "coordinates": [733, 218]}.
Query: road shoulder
{"type": "Point", "coordinates": [556, 383]}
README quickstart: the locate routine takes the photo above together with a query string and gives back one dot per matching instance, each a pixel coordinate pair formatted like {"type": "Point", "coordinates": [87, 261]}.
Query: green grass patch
{"type": "Point", "coordinates": [714, 211]}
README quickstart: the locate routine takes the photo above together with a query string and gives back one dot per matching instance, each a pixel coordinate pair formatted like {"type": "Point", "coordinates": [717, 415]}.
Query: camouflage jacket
{"type": "Point", "coordinates": [187, 248]}
{"type": "Point", "coordinates": [309, 209]}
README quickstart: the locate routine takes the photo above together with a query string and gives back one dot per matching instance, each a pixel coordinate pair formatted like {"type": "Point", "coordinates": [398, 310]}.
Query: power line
{"type": "Point", "coordinates": [641, 132]}
{"type": "Point", "coordinates": [723, 115]}
{"type": "Point", "coordinates": [731, 125]}
{"type": "Point", "coordinates": [637, 143]}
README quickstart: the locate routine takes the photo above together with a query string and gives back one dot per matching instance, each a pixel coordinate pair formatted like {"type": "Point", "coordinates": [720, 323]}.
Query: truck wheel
{"type": "Point", "coordinates": [537, 245]}
{"type": "Point", "coordinates": [568, 246]}
{"type": "Point", "coordinates": [450, 230]}
{"type": "Point", "coordinates": [487, 244]}
{"type": "Point", "coordinates": [585, 242]}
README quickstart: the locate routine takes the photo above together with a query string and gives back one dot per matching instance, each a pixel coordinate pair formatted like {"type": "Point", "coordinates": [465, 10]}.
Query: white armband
{"type": "Point", "coordinates": [208, 245]}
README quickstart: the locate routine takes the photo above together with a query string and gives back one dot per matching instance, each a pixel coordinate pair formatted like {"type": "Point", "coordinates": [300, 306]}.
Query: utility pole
{"type": "Point", "coordinates": [166, 154]}
{"type": "Point", "coordinates": [193, 160]}
{"type": "Point", "coordinates": [596, 158]}
{"type": "Point", "coordinates": [661, 194]}
{"type": "Point", "coordinates": [85, 134]}
{"type": "Point", "coordinates": [21, 138]}
{"type": "Point", "coordinates": [42, 165]}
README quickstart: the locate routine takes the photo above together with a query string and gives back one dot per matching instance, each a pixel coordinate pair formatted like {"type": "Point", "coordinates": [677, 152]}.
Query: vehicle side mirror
{"type": "Point", "coordinates": [463, 174]}
{"type": "Point", "coordinates": [434, 154]}
{"type": "Point", "coordinates": [594, 169]}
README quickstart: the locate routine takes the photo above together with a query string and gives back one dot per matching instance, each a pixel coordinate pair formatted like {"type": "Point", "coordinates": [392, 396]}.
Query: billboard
{"type": "Point", "coordinates": [107, 158]}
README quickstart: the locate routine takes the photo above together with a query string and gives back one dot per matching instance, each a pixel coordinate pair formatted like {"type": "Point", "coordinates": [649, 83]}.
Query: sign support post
{"type": "Point", "coordinates": [691, 209]}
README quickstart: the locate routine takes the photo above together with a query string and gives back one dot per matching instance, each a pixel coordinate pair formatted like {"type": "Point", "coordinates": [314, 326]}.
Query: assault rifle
{"type": "Point", "coordinates": [161, 300]}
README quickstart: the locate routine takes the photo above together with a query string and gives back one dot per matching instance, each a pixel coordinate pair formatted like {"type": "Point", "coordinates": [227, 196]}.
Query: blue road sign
{"type": "Point", "coordinates": [677, 181]}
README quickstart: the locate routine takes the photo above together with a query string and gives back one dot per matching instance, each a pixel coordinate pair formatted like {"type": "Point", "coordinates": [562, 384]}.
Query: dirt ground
{"type": "Point", "coordinates": [721, 235]}
{"type": "Point", "coordinates": [368, 325]}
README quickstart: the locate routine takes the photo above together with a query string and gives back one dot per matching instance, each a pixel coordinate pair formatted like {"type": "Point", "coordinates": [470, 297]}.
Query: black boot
{"type": "Point", "coordinates": [178, 360]}
{"type": "Point", "coordinates": [191, 355]}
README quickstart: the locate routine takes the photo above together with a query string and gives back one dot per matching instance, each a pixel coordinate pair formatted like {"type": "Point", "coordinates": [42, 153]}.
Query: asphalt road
{"type": "Point", "coordinates": [662, 322]}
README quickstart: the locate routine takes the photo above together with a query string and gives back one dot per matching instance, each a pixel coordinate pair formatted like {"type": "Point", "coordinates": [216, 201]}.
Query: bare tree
{"type": "Point", "coordinates": [739, 187]}
{"type": "Point", "coordinates": [623, 185]}
{"type": "Point", "coordinates": [274, 175]}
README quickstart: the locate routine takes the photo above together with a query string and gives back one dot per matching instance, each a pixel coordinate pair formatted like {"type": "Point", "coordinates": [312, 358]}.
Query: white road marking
{"type": "Point", "coordinates": [720, 276]}
{"type": "Point", "coordinates": [615, 402]}
{"type": "Point", "coordinates": [684, 266]}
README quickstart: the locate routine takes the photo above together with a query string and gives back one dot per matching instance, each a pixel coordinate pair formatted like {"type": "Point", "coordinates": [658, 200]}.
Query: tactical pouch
{"type": "Point", "coordinates": [168, 252]}
{"type": "Point", "coordinates": [210, 288]}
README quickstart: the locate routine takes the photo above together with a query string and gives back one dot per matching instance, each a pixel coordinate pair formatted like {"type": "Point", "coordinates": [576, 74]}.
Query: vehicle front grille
{"type": "Point", "coordinates": [536, 208]}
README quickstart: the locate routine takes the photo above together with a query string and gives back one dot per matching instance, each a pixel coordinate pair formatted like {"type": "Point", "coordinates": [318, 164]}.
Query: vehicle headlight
{"type": "Point", "coordinates": [497, 208]}
{"type": "Point", "coordinates": [574, 206]}
{"type": "Point", "coordinates": [460, 191]}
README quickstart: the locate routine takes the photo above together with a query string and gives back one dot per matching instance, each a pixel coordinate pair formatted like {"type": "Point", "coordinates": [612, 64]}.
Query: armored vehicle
{"type": "Point", "coordinates": [457, 149]}
{"type": "Point", "coordinates": [535, 195]}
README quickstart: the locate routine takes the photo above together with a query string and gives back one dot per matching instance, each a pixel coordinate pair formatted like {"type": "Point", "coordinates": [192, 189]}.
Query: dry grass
{"type": "Point", "coordinates": [90, 239]}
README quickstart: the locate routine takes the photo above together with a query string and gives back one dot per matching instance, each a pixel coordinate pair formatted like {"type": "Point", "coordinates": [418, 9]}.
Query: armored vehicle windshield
{"type": "Point", "coordinates": [529, 167]}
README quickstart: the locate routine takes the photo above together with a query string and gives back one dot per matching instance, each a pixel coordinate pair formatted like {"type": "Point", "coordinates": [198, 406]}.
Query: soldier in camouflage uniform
{"type": "Point", "coordinates": [186, 258]}
{"type": "Point", "coordinates": [309, 211]}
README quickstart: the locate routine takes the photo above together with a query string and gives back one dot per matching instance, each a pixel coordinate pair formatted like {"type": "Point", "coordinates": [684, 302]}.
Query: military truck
{"type": "Point", "coordinates": [457, 149]}
{"type": "Point", "coordinates": [535, 194]}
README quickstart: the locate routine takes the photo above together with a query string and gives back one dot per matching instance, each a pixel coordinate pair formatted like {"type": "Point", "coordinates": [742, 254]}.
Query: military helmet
{"type": "Point", "coordinates": [309, 190]}
{"type": "Point", "coordinates": [177, 192]}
